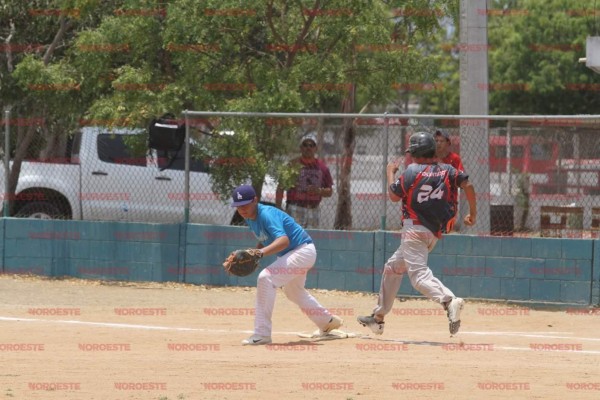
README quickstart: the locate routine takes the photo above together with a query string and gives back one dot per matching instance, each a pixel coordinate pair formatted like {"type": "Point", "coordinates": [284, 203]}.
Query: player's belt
{"type": "Point", "coordinates": [304, 205]}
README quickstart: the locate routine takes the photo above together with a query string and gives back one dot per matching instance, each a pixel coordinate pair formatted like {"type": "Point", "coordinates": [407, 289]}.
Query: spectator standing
{"type": "Point", "coordinates": [314, 182]}
{"type": "Point", "coordinates": [444, 155]}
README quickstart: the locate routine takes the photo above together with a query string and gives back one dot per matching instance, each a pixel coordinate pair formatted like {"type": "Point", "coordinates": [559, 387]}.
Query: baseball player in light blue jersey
{"type": "Point", "coordinates": [426, 189]}
{"type": "Point", "coordinates": [278, 233]}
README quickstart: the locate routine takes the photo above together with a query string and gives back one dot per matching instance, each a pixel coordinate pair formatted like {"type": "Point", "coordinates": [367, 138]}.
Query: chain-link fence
{"type": "Point", "coordinates": [534, 176]}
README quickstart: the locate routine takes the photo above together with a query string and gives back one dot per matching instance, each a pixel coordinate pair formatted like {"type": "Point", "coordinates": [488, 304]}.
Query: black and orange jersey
{"type": "Point", "coordinates": [426, 192]}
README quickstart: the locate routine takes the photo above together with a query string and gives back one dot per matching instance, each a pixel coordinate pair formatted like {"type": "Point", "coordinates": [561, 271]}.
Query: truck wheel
{"type": "Point", "coordinates": [40, 210]}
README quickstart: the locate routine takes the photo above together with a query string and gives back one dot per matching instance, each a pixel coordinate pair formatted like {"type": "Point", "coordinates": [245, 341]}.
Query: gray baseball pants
{"type": "Point", "coordinates": [411, 257]}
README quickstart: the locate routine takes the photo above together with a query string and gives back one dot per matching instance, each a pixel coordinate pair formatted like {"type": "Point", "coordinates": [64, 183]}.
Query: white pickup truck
{"type": "Point", "coordinates": [102, 180]}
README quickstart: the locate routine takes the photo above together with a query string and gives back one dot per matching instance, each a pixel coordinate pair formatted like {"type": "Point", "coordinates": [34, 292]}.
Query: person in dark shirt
{"type": "Point", "coordinates": [314, 182]}
{"type": "Point", "coordinates": [425, 191]}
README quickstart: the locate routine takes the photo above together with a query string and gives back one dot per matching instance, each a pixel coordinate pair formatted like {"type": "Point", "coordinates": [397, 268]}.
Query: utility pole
{"type": "Point", "coordinates": [474, 89]}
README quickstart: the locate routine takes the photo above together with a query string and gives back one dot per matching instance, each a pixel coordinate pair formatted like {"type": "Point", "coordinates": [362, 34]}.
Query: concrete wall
{"type": "Point", "coordinates": [536, 270]}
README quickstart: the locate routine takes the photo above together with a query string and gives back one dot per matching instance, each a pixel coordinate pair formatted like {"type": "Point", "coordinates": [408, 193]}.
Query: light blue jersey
{"type": "Point", "coordinates": [272, 223]}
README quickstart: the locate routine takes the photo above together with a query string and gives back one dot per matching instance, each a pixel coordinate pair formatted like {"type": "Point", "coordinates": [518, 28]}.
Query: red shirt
{"type": "Point", "coordinates": [313, 173]}
{"type": "Point", "coordinates": [454, 160]}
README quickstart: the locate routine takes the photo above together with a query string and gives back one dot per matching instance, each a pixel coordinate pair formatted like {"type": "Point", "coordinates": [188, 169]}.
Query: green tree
{"type": "Point", "coordinates": [263, 56]}
{"type": "Point", "coordinates": [122, 63]}
{"type": "Point", "coordinates": [534, 49]}
{"type": "Point", "coordinates": [441, 93]}
{"type": "Point", "coordinates": [37, 83]}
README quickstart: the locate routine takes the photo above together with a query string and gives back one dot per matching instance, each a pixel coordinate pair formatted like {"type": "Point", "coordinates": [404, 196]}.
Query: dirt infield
{"type": "Point", "coordinates": [76, 339]}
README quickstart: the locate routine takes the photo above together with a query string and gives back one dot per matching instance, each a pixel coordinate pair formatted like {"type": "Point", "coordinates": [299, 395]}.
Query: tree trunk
{"type": "Point", "coordinates": [343, 213]}
{"type": "Point", "coordinates": [55, 148]}
{"type": "Point", "coordinates": [23, 142]}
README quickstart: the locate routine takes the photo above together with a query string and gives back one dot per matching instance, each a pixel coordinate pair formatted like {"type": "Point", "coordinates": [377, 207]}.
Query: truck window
{"type": "Point", "coordinates": [178, 164]}
{"type": "Point", "coordinates": [499, 152]}
{"type": "Point", "coordinates": [517, 152]}
{"type": "Point", "coordinates": [112, 149]}
{"type": "Point", "coordinates": [541, 151]}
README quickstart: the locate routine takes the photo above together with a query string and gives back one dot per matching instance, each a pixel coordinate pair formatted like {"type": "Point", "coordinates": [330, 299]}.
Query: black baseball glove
{"type": "Point", "coordinates": [242, 262]}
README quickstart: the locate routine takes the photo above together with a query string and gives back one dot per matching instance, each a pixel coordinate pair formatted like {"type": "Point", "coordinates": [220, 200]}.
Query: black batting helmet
{"type": "Point", "coordinates": [421, 144]}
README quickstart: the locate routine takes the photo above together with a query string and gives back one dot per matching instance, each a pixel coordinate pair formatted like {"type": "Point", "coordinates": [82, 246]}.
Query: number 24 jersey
{"type": "Point", "coordinates": [426, 193]}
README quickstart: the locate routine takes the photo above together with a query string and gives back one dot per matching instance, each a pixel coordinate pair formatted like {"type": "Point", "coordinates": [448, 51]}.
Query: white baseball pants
{"type": "Point", "coordinates": [411, 257]}
{"type": "Point", "coordinates": [289, 272]}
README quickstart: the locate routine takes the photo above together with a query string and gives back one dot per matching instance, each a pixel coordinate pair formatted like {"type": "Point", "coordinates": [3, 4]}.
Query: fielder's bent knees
{"type": "Point", "coordinates": [264, 278]}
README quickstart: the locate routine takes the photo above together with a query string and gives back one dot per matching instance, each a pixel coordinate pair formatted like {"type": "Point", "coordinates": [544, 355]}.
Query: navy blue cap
{"type": "Point", "coordinates": [443, 134]}
{"type": "Point", "coordinates": [242, 195]}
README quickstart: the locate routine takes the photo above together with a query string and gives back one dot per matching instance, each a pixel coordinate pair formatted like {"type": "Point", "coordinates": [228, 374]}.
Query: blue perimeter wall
{"type": "Point", "coordinates": [534, 270]}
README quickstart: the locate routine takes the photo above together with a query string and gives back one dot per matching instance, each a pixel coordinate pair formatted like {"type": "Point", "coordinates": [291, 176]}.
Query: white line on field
{"type": "Point", "coordinates": [547, 351]}
{"type": "Point", "coordinates": [184, 329]}
{"type": "Point", "coordinates": [116, 325]}
{"type": "Point", "coordinates": [549, 335]}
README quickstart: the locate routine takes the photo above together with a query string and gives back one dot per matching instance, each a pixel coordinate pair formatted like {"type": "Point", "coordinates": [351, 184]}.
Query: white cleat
{"type": "Point", "coordinates": [453, 310]}
{"type": "Point", "coordinates": [334, 323]}
{"type": "Point", "coordinates": [256, 340]}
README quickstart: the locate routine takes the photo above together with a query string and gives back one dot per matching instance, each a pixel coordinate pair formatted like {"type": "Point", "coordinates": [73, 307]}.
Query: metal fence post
{"type": "Point", "coordinates": [6, 162]}
{"type": "Point", "coordinates": [384, 174]}
{"type": "Point", "coordinates": [186, 189]}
